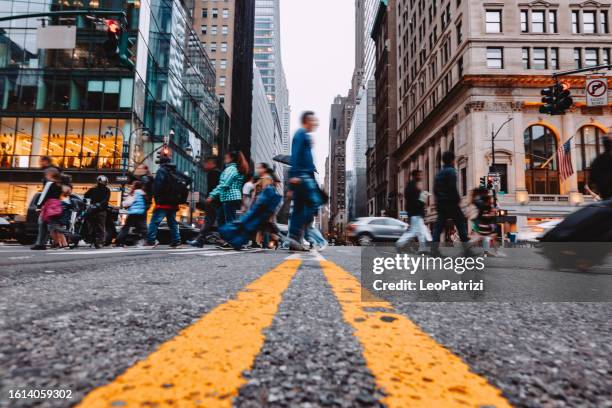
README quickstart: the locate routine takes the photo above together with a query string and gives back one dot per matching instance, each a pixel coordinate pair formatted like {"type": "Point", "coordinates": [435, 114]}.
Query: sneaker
{"type": "Point", "coordinates": [38, 248]}
{"type": "Point", "coordinates": [149, 245]}
{"type": "Point", "coordinates": [323, 247]}
{"type": "Point", "coordinates": [176, 246]}
{"type": "Point", "coordinates": [194, 243]}
{"type": "Point", "coordinates": [298, 248]}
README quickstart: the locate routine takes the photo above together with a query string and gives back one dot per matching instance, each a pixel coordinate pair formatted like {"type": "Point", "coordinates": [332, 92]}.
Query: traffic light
{"type": "Point", "coordinates": [483, 182]}
{"type": "Point", "coordinates": [113, 31]}
{"type": "Point", "coordinates": [126, 45]}
{"type": "Point", "coordinates": [490, 183]}
{"type": "Point", "coordinates": [163, 155]}
{"type": "Point", "coordinates": [556, 99]}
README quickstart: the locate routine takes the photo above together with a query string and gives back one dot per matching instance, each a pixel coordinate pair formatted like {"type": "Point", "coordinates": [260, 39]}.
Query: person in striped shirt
{"type": "Point", "coordinates": [229, 190]}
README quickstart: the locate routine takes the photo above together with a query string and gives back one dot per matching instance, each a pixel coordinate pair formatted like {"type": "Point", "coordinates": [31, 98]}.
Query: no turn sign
{"type": "Point", "coordinates": [597, 91]}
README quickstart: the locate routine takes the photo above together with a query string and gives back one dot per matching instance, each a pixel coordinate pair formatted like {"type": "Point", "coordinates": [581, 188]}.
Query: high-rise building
{"type": "Point", "coordinates": [86, 111]}
{"type": "Point", "coordinates": [337, 157]}
{"type": "Point", "coordinates": [382, 178]}
{"type": "Point", "coordinates": [468, 70]}
{"type": "Point", "coordinates": [267, 56]}
{"type": "Point", "coordinates": [226, 31]}
{"type": "Point", "coordinates": [362, 132]}
{"type": "Point", "coordinates": [263, 125]}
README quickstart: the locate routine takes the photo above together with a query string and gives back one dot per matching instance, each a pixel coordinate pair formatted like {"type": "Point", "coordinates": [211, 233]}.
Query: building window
{"type": "Point", "coordinates": [588, 146]}
{"type": "Point", "coordinates": [459, 34]}
{"type": "Point", "coordinates": [552, 21]}
{"type": "Point", "coordinates": [605, 56]}
{"type": "Point", "coordinates": [460, 67]}
{"type": "Point", "coordinates": [224, 47]}
{"type": "Point", "coordinates": [222, 81]}
{"type": "Point", "coordinates": [223, 64]}
{"type": "Point", "coordinates": [539, 58]}
{"type": "Point", "coordinates": [577, 58]}
{"type": "Point", "coordinates": [225, 13]}
{"type": "Point", "coordinates": [541, 175]}
{"type": "Point", "coordinates": [554, 58]}
{"type": "Point", "coordinates": [603, 22]}
{"type": "Point", "coordinates": [213, 30]}
{"type": "Point", "coordinates": [204, 29]}
{"type": "Point", "coordinates": [575, 22]}
{"type": "Point", "coordinates": [224, 30]}
{"type": "Point", "coordinates": [213, 47]}
{"type": "Point", "coordinates": [215, 13]}
{"type": "Point", "coordinates": [537, 22]}
{"type": "Point", "coordinates": [588, 22]}
{"type": "Point", "coordinates": [526, 58]}
{"type": "Point", "coordinates": [493, 21]}
{"type": "Point", "coordinates": [222, 98]}
{"type": "Point", "coordinates": [590, 57]}
{"type": "Point", "coordinates": [524, 21]}
{"type": "Point", "coordinates": [495, 57]}
{"type": "Point", "coordinates": [204, 13]}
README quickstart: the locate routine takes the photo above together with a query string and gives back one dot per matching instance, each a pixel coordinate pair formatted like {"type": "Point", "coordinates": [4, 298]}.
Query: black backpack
{"type": "Point", "coordinates": [178, 187]}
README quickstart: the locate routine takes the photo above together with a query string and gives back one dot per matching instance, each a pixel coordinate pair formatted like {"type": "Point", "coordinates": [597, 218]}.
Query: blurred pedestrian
{"type": "Point", "coordinates": [99, 197]}
{"type": "Point", "coordinates": [170, 189]}
{"type": "Point", "coordinates": [258, 218]}
{"type": "Point", "coordinates": [304, 189]}
{"type": "Point", "coordinates": [136, 205]}
{"type": "Point", "coordinates": [213, 213]}
{"type": "Point", "coordinates": [50, 206]}
{"type": "Point", "coordinates": [414, 199]}
{"type": "Point", "coordinates": [485, 224]}
{"type": "Point", "coordinates": [144, 175]}
{"type": "Point", "coordinates": [601, 170]}
{"type": "Point", "coordinates": [229, 190]}
{"type": "Point", "coordinates": [447, 204]}
{"type": "Point", "coordinates": [44, 162]}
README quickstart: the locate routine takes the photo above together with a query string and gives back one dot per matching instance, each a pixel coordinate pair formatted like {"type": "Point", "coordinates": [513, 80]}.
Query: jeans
{"type": "Point", "coordinates": [314, 236]}
{"type": "Point", "coordinates": [306, 203]}
{"type": "Point", "coordinates": [458, 218]}
{"type": "Point", "coordinates": [43, 232]}
{"type": "Point", "coordinates": [136, 221]}
{"type": "Point", "coordinates": [213, 213]}
{"type": "Point", "coordinates": [98, 227]}
{"type": "Point", "coordinates": [229, 210]}
{"type": "Point", "coordinates": [158, 216]}
{"type": "Point", "coordinates": [417, 230]}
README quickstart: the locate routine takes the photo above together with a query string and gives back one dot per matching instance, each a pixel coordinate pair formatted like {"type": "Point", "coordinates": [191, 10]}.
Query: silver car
{"type": "Point", "coordinates": [367, 230]}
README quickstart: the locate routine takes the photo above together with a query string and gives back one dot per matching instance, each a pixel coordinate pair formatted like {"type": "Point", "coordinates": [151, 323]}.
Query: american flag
{"type": "Point", "coordinates": [564, 158]}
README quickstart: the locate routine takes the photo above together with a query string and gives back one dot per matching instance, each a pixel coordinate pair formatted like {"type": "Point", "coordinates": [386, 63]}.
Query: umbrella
{"type": "Point", "coordinates": [283, 158]}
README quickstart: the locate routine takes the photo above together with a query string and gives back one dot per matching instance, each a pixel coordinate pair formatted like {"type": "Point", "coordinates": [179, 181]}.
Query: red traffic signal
{"type": "Point", "coordinates": [112, 26]}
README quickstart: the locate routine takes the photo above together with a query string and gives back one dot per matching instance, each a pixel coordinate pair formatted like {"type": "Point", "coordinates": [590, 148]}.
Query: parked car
{"type": "Point", "coordinates": [367, 230]}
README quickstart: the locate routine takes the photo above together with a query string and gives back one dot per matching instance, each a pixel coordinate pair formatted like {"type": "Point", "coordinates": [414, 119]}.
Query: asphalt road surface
{"type": "Point", "coordinates": [207, 327]}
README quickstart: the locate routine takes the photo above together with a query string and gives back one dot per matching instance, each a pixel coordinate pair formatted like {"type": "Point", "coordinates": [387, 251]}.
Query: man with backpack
{"type": "Point", "coordinates": [170, 189]}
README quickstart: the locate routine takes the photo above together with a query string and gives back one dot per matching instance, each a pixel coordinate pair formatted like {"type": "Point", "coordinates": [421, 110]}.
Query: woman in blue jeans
{"type": "Point", "coordinates": [229, 190]}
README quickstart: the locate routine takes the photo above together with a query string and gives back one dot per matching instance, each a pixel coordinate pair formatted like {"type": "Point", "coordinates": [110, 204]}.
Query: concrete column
{"type": "Point", "coordinates": [518, 162]}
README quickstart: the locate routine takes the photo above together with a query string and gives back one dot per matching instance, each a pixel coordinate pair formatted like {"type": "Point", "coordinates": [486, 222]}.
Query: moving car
{"type": "Point", "coordinates": [367, 230]}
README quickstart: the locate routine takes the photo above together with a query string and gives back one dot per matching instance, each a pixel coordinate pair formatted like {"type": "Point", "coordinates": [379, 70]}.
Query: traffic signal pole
{"type": "Point", "coordinates": [492, 168]}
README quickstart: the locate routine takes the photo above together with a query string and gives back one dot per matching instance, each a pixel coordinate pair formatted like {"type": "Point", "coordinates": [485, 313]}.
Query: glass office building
{"type": "Point", "coordinates": [77, 105]}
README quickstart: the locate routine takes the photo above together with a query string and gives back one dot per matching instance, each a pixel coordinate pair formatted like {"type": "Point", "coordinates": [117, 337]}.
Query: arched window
{"type": "Point", "coordinates": [588, 146]}
{"type": "Point", "coordinates": [541, 171]}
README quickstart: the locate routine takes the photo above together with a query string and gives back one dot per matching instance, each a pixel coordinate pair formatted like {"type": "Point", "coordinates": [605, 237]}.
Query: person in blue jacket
{"type": "Point", "coordinates": [136, 204]}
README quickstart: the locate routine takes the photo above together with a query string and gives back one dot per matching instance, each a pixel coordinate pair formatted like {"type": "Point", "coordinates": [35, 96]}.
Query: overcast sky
{"type": "Point", "coordinates": [317, 40]}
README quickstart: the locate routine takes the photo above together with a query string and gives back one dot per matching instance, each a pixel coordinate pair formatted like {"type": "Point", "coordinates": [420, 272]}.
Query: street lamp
{"type": "Point", "coordinates": [125, 154]}
{"type": "Point", "coordinates": [493, 136]}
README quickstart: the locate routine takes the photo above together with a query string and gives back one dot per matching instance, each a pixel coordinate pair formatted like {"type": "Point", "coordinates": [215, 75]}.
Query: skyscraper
{"type": "Point", "coordinates": [267, 56]}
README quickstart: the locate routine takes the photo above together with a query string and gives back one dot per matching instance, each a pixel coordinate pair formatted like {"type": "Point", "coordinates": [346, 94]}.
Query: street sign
{"type": "Point", "coordinates": [597, 91]}
{"type": "Point", "coordinates": [56, 38]}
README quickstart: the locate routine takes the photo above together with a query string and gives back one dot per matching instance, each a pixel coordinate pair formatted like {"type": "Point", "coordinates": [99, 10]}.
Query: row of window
{"type": "Point", "coordinates": [548, 58]}
{"type": "Point", "coordinates": [214, 29]}
{"type": "Point", "coordinates": [213, 47]}
{"type": "Point", "coordinates": [545, 21]}
{"type": "Point", "coordinates": [222, 63]}
{"type": "Point", "coordinates": [214, 13]}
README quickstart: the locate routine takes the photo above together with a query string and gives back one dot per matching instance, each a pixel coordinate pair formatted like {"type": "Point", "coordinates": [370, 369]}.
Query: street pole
{"type": "Point", "coordinates": [492, 168]}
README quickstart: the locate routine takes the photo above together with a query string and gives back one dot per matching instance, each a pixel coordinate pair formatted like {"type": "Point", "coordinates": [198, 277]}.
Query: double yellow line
{"type": "Point", "coordinates": [203, 365]}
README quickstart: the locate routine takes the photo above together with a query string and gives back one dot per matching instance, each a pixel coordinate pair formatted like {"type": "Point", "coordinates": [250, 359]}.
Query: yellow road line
{"type": "Point", "coordinates": [412, 368]}
{"type": "Point", "coordinates": [203, 365]}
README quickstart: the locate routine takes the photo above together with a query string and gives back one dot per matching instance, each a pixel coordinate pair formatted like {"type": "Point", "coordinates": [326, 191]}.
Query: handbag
{"type": "Point", "coordinates": [51, 209]}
